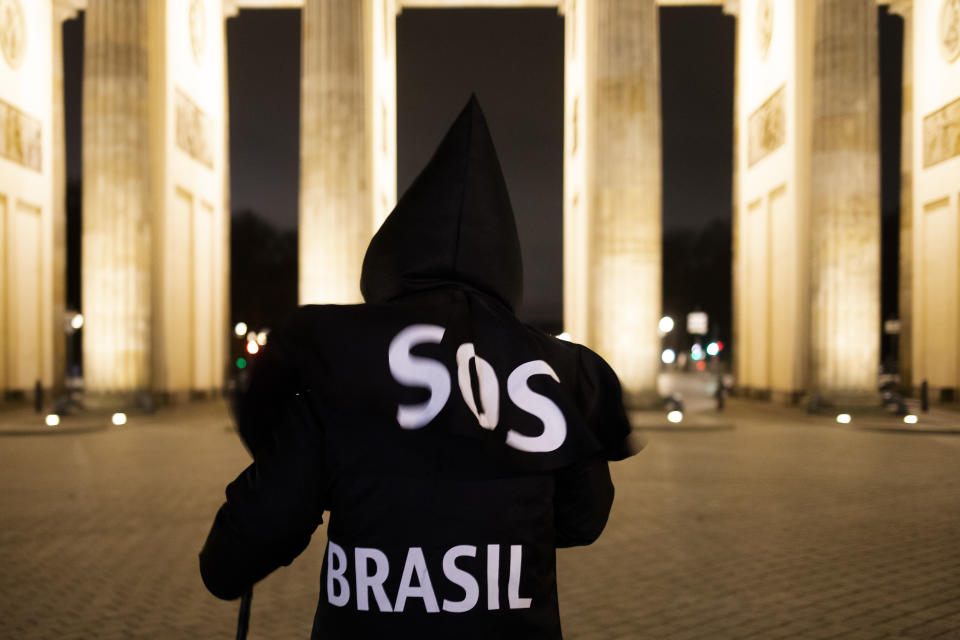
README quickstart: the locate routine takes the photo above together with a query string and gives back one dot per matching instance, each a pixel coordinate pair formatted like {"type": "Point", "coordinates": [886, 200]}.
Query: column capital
{"type": "Point", "coordinates": [230, 8]}
{"type": "Point", "coordinates": [902, 8]}
{"type": "Point", "coordinates": [732, 8]}
{"type": "Point", "coordinates": [66, 9]}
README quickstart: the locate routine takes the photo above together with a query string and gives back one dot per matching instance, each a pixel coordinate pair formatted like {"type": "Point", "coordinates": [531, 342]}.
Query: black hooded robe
{"type": "Point", "coordinates": [454, 447]}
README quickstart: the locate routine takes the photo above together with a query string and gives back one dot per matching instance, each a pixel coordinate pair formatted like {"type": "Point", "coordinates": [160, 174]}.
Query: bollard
{"type": "Point", "coordinates": [721, 392]}
{"type": "Point", "coordinates": [924, 396]}
{"type": "Point", "coordinates": [38, 397]}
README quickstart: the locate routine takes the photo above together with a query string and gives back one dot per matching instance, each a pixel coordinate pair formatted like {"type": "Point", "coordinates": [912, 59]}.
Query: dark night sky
{"type": "Point", "coordinates": [513, 60]}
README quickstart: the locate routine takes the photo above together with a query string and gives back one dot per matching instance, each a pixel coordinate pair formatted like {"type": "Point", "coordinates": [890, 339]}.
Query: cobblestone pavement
{"type": "Point", "coordinates": [780, 527]}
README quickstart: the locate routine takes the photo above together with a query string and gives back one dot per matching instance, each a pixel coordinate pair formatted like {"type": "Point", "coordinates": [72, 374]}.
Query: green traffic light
{"type": "Point", "coordinates": [241, 363]}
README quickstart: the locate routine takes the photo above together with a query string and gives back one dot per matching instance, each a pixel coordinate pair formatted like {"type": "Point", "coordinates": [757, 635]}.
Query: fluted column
{"type": "Point", "coordinates": [623, 181]}
{"type": "Point", "coordinates": [904, 8]}
{"type": "Point", "coordinates": [335, 198]}
{"type": "Point", "coordinates": [845, 202]}
{"type": "Point", "coordinates": [116, 198]}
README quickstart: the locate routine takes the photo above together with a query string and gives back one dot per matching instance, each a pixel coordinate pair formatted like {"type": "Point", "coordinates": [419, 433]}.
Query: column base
{"type": "Point", "coordinates": [844, 400]}
{"type": "Point", "coordinates": [791, 398]}
{"type": "Point", "coordinates": [119, 400]}
{"type": "Point", "coordinates": [752, 393]}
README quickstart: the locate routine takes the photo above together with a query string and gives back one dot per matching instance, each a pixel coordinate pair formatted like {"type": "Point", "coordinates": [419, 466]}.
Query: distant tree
{"type": "Point", "coordinates": [697, 267]}
{"type": "Point", "coordinates": [263, 271]}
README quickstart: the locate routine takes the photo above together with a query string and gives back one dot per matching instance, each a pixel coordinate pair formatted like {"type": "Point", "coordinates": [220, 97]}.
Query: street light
{"type": "Point", "coordinates": [669, 356]}
{"type": "Point", "coordinates": [666, 324]}
{"type": "Point", "coordinates": [675, 416]}
{"type": "Point", "coordinates": [844, 418]}
{"type": "Point", "coordinates": [76, 322]}
{"type": "Point", "coordinates": [119, 419]}
{"type": "Point", "coordinates": [52, 420]}
{"type": "Point", "coordinates": [240, 329]}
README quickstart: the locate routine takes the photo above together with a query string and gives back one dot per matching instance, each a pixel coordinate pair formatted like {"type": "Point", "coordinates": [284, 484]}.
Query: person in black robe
{"type": "Point", "coordinates": [455, 447]}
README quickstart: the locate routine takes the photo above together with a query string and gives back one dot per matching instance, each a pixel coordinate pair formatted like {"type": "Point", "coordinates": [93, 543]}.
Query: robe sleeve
{"type": "Point", "coordinates": [276, 504]}
{"type": "Point", "coordinates": [583, 496]}
{"type": "Point", "coordinates": [601, 403]}
{"type": "Point", "coordinates": [584, 491]}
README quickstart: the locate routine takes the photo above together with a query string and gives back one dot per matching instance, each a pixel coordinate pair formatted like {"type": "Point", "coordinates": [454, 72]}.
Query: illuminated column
{"type": "Point", "coordinates": [624, 191]}
{"type": "Point", "coordinates": [116, 216]}
{"type": "Point", "coordinates": [336, 213]}
{"type": "Point", "coordinates": [382, 91]}
{"type": "Point", "coordinates": [576, 299]}
{"type": "Point", "coordinates": [845, 213]}
{"type": "Point", "coordinates": [904, 8]}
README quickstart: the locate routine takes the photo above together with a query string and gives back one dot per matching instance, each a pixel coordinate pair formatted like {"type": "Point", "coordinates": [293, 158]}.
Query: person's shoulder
{"type": "Point", "coordinates": [316, 321]}
{"type": "Point", "coordinates": [585, 359]}
{"type": "Point", "coordinates": [310, 313]}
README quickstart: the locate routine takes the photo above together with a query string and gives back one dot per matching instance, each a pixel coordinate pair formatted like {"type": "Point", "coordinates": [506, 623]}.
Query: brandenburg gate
{"type": "Point", "coordinates": [156, 186]}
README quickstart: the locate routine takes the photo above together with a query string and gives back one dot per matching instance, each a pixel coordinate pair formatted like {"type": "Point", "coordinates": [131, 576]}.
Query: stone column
{"type": "Point", "coordinates": [336, 216]}
{"type": "Point", "coordinates": [62, 10]}
{"type": "Point", "coordinates": [845, 203]}
{"type": "Point", "coordinates": [624, 187]}
{"type": "Point", "coordinates": [116, 199]}
{"type": "Point", "coordinates": [904, 8]}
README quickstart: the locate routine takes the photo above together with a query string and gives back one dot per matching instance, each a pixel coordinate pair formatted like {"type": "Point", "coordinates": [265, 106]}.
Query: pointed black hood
{"type": "Point", "coordinates": [453, 225]}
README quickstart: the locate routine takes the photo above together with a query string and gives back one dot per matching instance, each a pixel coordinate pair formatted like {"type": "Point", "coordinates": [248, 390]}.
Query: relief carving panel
{"type": "Point", "coordinates": [948, 27]}
{"type": "Point", "coordinates": [767, 128]}
{"type": "Point", "coordinates": [941, 134]}
{"type": "Point", "coordinates": [13, 32]}
{"type": "Point", "coordinates": [764, 27]}
{"type": "Point", "coordinates": [194, 130]}
{"type": "Point", "coordinates": [198, 30]}
{"type": "Point", "coordinates": [21, 137]}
